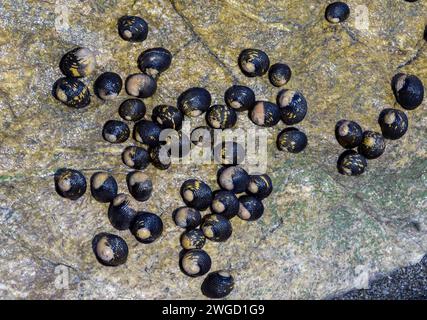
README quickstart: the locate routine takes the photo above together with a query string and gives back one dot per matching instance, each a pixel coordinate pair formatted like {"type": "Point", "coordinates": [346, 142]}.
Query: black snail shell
{"type": "Point", "coordinates": [408, 90]}
{"type": "Point", "coordinates": [147, 227]}
{"type": "Point", "coordinates": [194, 101]}
{"type": "Point", "coordinates": [136, 157]}
{"type": "Point", "coordinates": [196, 194]}
{"type": "Point", "coordinates": [393, 123]}
{"type": "Point", "coordinates": [233, 178]}
{"type": "Point", "coordinates": [240, 98]}
{"type": "Point", "coordinates": [110, 250]}
{"type": "Point", "coordinates": [140, 185]}
{"type": "Point", "coordinates": [253, 62]}
{"type": "Point", "coordinates": [147, 133]}
{"type": "Point", "coordinates": [229, 153]}
{"type": "Point", "coordinates": [103, 187]}
{"type": "Point", "coordinates": [77, 63]}
{"type": "Point", "coordinates": [372, 145]}
{"type": "Point", "coordinates": [221, 117]}
{"type": "Point", "coordinates": [132, 28]}
{"type": "Point", "coordinates": [251, 208]}
{"type": "Point", "coordinates": [140, 85]}
{"type": "Point", "coordinates": [71, 92]}
{"type": "Point", "coordinates": [132, 110]}
{"type": "Point", "coordinates": [292, 106]}
{"type": "Point", "coordinates": [351, 163]}
{"type": "Point", "coordinates": [115, 131]}
{"type": "Point", "coordinates": [177, 143]}
{"type": "Point", "coordinates": [193, 239]}
{"type": "Point", "coordinates": [108, 85]}
{"type": "Point", "coordinates": [120, 212]}
{"type": "Point", "coordinates": [337, 12]}
{"type": "Point", "coordinates": [218, 284]}
{"type": "Point", "coordinates": [70, 183]}
{"type": "Point", "coordinates": [225, 203]}
{"type": "Point", "coordinates": [216, 227]}
{"type": "Point", "coordinates": [202, 136]}
{"type": "Point", "coordinates": [259, 186]}
{"type": "Point", "coordinates": [186, 217]}
{"type": "Point", "coordinates": [160, 157]}
{"type": "Point", "coordinates": [291, 140]}
{"type": "Point", "coordinates": [279, 74]}
{"type": "Point", "coordinates": [167, 117]}
{"type": "Point", "coordinates": [265, 114]}
{"type": "Point", "coordinates": [348, 134]}
{"type": "Point", "coordinates": [195, 263]}
{"type": "Point", "coordinates": [154, 61]}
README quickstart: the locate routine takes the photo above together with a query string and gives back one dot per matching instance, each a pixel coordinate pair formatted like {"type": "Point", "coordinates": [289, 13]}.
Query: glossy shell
{"type": "Point", "coordinates": [147, 133]}
{"type": "Point", "coordinates": [373, 145]}
{"type": "Point", "coordinates": [132, 28]}
{"type": "Point", "coordinates": [240, 98]}
{"type": "Point", "coordinates": [193, 239]}
{"type": "Point", "coordinates": [279, 74]}
{"type": "Point", "coordinates": [196, 194]}
{"type": "Point", "coordinates": [154, 61]}
{"type": "Point", "coordinates": [216, 228]}
{"type": "Point", "coordinates": [225, 203]}
{"type": "Point", "coordinates": [251, 208]}
{"type": "Point", "coordinates": [265, 114]}
{"type": "Point", "coordinates": [132, 110]}
{"type": "Point", "coordinates": [351, 163]}
{"type": "Point", "coordinates": [167, 117]}
{"type": "Point", "coordinates": [292, 106]}
{"type": "Point", "coordinates": [136, 157]}
{"type": "Point", "coordinates": [233, 178]}
{"type": "Point", "coordinates": [259, 186]}
{"type": "Point", "coordinates": [229, 153]}
{"type": "Point", "coordinates": [195, 263]}
{"type": "Point", "coordinates": [103, 187]}
{"type": "Point", "coordinates": [337, 12]}
{"type": "Point", "coordinates": [115, 131]}
{"type": "Point", "coordinates": [108, 85]}
{"type": "Point", "coordinates": [408, 90]}
{"type": "Point", "coordinates": [348, 134]}
{"type": "Point", "coordinates": [140, 85]}
{"type": "Point", "coordinates": [186, 217]}
{"type": "Point", "coordinates": [194, 101]}
{"type": "Point", "coordinates": [147, 227]}
{"type": "Point", "coordinates": [218, 284]}
{"type": "Point", "coordinates": [110, 250]}
{"type": "Point", "coordinates": [253, 62]}
{"type": "Point", "coordinates": [70, 183]}
{"type": "Point", "coordinates": [77, 63]}
{"type": "Point", "coordinates": [291, 140]}
{"type": "Point", "coordinates": [71, 92]}
{"type": "Point", "coordinates": [221, 117]}
{"type": "Point", "coordinates": [393, 123]}
{"type": "Point", "coordinates": [160, 157]}
{"type": "Point", "coordinates": [140, 185]}
{"type": "Point", "coordinates": [120, 212]}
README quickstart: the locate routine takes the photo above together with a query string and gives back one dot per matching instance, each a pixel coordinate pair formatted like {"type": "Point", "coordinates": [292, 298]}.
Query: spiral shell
{"type": "Point", "coordinates": [110, 250]}
{"type": "Point", "coordinates": [196, 194]}
{"type": "Point", "coordinates": [103, 187]}
{"type": "Point", "coordinates": [216, 228]}
{"type": "Point", "coordinates": [70, 183]}
{"type": "Point", "coordinates": [147, 227]}
{"type": "Point", "coordinates": [120, 212]}
{"type": "Point", "coordinates": [195, 263]}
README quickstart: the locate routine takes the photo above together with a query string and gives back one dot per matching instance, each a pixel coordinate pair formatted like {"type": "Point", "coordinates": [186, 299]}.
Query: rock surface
{"type": "Point", "coordinates": [322, 233]}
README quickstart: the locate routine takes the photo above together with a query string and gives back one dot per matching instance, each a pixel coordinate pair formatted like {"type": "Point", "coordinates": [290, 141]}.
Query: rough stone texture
{"type": "Point", "coordinates": [322, 233]}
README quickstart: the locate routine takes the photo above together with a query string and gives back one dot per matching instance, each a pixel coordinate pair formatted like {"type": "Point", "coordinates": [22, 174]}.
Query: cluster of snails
{"type": "Point", "coordinates": [216, 226]}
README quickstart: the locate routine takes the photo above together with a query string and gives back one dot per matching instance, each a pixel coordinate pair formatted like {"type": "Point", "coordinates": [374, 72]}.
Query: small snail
{"type": "Point", "coordinates": [160, 157]}
{"type": "Point", "coordinates": [110, 250]}
{"type": "Point", "coordinates": [77, 63]}
{"type": "Point", "coordinates": [292, 106]}
{"type": "Point", "coordinates": [229, 153]}
{"type": "Point", "coordinates": [291, 140]}
{"type": "Point", "coordinates": [195, 263]}
{"type": "Point", "coordinates": [168, 117]}
{"type": "Point", "coordinates": [225, 203]}
{"type": "Point", "coordinates": [136, 157]}
{"type": "Point", "coordinates": [218, 284]}
{"type": "Point", "coordinates": [337, 12]}
{"type": "Point", "coordinates": [147, 133]}
{"type": "Point", "coordinates": [103, 187]}
{"type": "Point", "coordinates": [348, 134]}
{"type": "Point", "coordinates": [351, 163]}
{"type": "Point", "coordinates": [132, 28]}
{"type": "Point", "coordinates": [108, 85]}
{"type": "Point", "coordinates": [221, 117]}
{"type": "Point", "coordinates": [132, 110]}
{"type": "Point", "coordinates": [140, 185]}
{"type": "Point", "coordinates": [186, 217]}
{"type": "Point", "coordinates": [120, 212]}
{"type": "Point", "coordinates": [140, 85]}
{"type": "Point", "coordinates": [115, 131]}
{"type": "Point", "coordinates": [193, 239]}
{"type": "Point", "coordinates": [194, 101]}
{"type": "Point", "coordinates": [71, 92]}
{"type": "Point", "coordinates": [265, 114]}
{"type": "Point", "coordinates": [251, 208]}
{"type": "Point", "coordinates": [196, 194]}
{"type": "Point", "coordinates": [253, 62]}
{"type": "Point", "coordinates": [147, 227]}
{"type": "Point", "coordinates": [240, 98]}
{"type": "Point", "coordinates": [70, 183]}
{"type": "Point", "coordinates": [216, 228]}
{"type": "Point", "coordinates": [154, 61]}
{"type": "Point", "coordinates": [393, 123]}
{"type": "Point", "coordinates": [279, 74]}
{"type": "Point", "coordinates": [373, 145]}
{"type": "Point", "coordinates": [408, 90]}
{"type": "Point", "coordinates": [233, 178]}
{"type": "Point", "coordinates": [259, 186]}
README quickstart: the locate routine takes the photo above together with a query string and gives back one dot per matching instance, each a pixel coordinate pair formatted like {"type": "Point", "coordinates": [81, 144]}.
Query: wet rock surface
{"type": "Point", "coordinates": [322, 233]}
